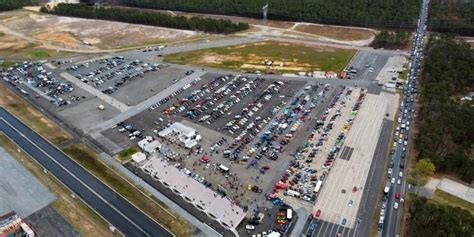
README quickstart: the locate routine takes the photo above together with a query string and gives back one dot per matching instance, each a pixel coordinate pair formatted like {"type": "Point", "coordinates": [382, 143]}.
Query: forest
{"type": "Point", "coordinates": [7, 5]}
{"type": "Point", "coordinates": [445, 122]}
{"type": "Point", "coordinates": [147, 18]}
{"type": "Point", "coordinates": [391, 40]}
{"type": "Point", "coordinates": [455, 16]}
{"type": "Point", "coordinates": [438, 220]}
{"type": "Point", "coordinates": [382, 13]}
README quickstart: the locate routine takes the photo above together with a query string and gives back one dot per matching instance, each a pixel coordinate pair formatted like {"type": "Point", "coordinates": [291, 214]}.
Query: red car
{"type": "Point", "coordinates": [318, 213]}
{"type": "Point", "coordinates": [397, 195]}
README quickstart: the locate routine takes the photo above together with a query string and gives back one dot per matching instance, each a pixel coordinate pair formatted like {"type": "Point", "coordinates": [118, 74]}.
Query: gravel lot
{"type": "Point", "coordinates": [20, 191]}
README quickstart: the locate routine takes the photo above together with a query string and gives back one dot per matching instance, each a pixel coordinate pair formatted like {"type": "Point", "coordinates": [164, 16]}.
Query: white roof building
{"type": "Point", "coordinates": [185, 134]}
{"type": "Point", "coordinates": [219, 208]}
{"type": "Point", "coordinates": [138, 157]}
{"type": "Point", "coordinates": [148, 145]}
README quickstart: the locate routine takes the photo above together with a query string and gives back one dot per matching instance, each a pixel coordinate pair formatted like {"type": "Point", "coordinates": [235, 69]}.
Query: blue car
{"type": "Point", "coordinates": [344, 221]}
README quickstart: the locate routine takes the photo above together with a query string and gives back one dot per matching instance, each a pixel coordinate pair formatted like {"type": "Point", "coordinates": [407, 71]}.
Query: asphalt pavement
{"type": "Point", "coordinates": [106, 202]}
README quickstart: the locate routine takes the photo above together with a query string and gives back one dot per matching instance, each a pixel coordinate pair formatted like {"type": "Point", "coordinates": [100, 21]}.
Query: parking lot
{"type": "Point", "coordinates": [217, 141]}
{"type": "Point", "coordinates": [315, 158]}
{"type": "Point", "coordinates": [127, 80]}
{"type": "Point", "coordinates": [352, 166]}
{"type": "Point", "coordinates": [38, 80]}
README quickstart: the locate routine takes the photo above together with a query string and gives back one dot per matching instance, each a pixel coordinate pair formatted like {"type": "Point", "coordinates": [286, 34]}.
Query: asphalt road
{"type": "Point", "coordinates": [372, 187]}
{"type": "Point", "coordinates": [114, 208]}
{"type": "Point", "coordinates": [393, 216]}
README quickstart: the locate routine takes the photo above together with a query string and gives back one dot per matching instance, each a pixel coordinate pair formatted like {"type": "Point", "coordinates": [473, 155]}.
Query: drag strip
{"type": "Point", "coordinates": [114, 208]}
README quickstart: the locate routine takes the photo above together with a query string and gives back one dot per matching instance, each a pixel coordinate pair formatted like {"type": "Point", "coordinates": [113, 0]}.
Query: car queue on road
{"type": "Point", "coordinates": [394, 192]}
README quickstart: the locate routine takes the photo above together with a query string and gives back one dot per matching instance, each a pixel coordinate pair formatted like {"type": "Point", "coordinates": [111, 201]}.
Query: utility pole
{"type": "Point", "coordinates": [265, 11]}
{"type": "Point", "coordinates": [97, 4]}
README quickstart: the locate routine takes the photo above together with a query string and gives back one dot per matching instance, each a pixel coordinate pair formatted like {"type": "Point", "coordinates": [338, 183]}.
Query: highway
{"type": "Point", "coordinates": [110, 205]}
{"type": "Point", "coordinates": [400, 157]}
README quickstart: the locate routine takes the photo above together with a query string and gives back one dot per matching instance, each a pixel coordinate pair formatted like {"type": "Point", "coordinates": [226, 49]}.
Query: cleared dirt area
{"type": "Point", "coordinates": [13, 47]}
{"type": "Point", "coordinates": [269, 56]}
{"type": "Point", "coordinates": [334, 32]}
{"type": "Point", "coordinates": [77, 33]}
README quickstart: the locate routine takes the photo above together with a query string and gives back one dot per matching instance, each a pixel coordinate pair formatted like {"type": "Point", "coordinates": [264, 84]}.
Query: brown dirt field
{"type": "Point", "coordinates": [74, 32]}
{"type": "Point", "coordinates": [10, 42]}
{"type": "Point", "coordinates": [338, 33]}
{"type": "Point", "coordinates": [63, 39]}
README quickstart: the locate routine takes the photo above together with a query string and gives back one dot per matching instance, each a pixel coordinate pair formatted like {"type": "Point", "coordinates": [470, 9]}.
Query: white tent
{"type": "Point", "coordinates": [138, 157]}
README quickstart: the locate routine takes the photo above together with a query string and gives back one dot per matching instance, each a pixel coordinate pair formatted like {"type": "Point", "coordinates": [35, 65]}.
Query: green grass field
{"type": "Point", "coordinates": [40, 54]}
{"type": "Point", "coordinates": [448, 199]}
{"type": "Point", "coordinates": [6, 64]}
{"type": "Point", "coordinates": [250, 57]}
{"type": "Point", "coordinates": [2, 34]}
{"type": "Point", "coordinates": [127, 153]}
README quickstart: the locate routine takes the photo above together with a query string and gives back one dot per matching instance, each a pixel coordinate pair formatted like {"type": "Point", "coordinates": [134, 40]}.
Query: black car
{"type": "Point", "coordinates": [402, 165]}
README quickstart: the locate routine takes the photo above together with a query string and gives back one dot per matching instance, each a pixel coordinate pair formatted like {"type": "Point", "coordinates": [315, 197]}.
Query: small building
{"type": "Point", "coordinates": [138, 157]}
{"type": "Point", "coordinates": [149, 145]}
{"type": "Point", "coordinates": [186, 135]}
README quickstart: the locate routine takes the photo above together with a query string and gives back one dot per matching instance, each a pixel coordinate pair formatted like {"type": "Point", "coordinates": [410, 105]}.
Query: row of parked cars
{"type": "Point", "coordinates": [34, 75]}
{"type": "Point", "coordinates": [111, 69]}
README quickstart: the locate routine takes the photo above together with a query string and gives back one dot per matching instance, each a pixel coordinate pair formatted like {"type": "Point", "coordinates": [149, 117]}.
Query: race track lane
{"type": "Point", "coordinates": [114, 208]}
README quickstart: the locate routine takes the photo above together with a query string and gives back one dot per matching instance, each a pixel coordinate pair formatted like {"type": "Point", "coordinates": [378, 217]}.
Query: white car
{"type": "Point", "coordinates": [400, 174]}
{"type": "Point", "coordinates": [395, 205]}
{"type": "Point", "coordinates": [392, 181]}
{"type": "Point", "coordinates": [399, 181]}
{"type": "Point", "coordinates": [250, 227]}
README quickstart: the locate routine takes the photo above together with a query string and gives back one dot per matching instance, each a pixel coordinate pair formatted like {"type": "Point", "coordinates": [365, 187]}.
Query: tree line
{"type": "Point", "coordinates": [391, 40]}
{"type": "Point", "coordinates": [382, 13]}
{"type": "Point", "coordinates": [455, 16]}
{"type": "Point", "coordinates": [147, 18]}
{"type": "Point", "coordinates": [7, 5]}
{"type": "Point", "coordinates": [445, 121]}
{"type": "Point", "coordinates": [438, 220]}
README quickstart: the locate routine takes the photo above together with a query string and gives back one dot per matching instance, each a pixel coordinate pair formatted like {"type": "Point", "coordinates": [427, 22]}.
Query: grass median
{"type": "Point", "coordinates": [144, 201]}
{"type": "Point", "coordinates": [286, 57]}
{"type": "Point", "coordinates": [35, 119]}
{"type": "Point", "coordinates": [127, 153]}
{"type": "Point", "coordinates": [79, 215]}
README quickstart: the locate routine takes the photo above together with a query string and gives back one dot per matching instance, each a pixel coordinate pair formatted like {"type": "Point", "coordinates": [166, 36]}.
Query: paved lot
{"type": "Point", "coordinates": [102, 126]}
{"type": "Point", "coordinates": [48, 222]}
{"type": "Point", "coordinates": [20, 191]}
{"type": "Point", "coordinates": [390, 70]}
{"type": "Point", "coordinates": [363, 60]}
{"type": "Point", "coordinates": [450, 186]}
{"type": "Point", "coordinates": [93, 91]}
{"type": "Point", "coordinates": [138, 90]}
{"type": "Point", "coordinates": [87, 115]}
{"type": "Point", "coordinates": [337, 193]}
